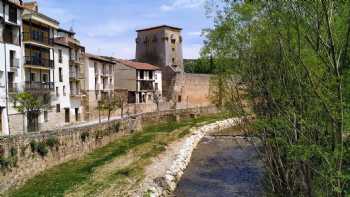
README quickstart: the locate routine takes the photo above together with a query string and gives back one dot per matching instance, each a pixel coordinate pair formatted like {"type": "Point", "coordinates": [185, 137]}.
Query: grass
{"type": "Point", "coordinates": [63, 178]}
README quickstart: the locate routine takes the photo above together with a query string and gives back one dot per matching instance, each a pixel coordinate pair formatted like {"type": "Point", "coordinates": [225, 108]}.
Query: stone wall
{"type": "Point", "coordinates": [195, 90]}
{"type": "Point", "coordinates": [19, 161]}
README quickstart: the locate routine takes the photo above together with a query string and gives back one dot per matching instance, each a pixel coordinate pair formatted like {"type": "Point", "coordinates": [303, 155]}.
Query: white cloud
{"type": "Point", "coordinates": [176, 4]}
{"type": "Point", "coordinates": [195, 33]}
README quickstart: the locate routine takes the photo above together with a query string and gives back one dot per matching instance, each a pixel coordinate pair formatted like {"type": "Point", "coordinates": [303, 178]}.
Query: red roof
{"type": "Point", "coordinates": [138, 65]}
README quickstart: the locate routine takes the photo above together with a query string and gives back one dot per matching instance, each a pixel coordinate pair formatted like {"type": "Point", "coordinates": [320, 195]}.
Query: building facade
{"type": "Point", "coordinates": [142, 81]}
{"type": "Point", "coordinates": [69, 76]}
{"type": "Point", "coordinates": [162, 46]}
{"type": "Point", "coordinates": [11, 58]}
{"type": "Point", "coordinates": [99, 74]}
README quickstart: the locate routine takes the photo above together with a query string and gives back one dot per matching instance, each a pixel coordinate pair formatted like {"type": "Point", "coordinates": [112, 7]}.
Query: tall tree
{"type": "Point", "coordinates": [292, 59]}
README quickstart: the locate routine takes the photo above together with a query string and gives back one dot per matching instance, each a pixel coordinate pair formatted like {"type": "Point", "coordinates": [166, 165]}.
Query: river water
{"type": "Point", "coordinates": [223, 167]}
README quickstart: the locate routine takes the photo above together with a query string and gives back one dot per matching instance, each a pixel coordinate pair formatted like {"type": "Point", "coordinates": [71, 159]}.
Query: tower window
{"type": "Point", "coordinates": [60, 74]}
{"type": "Point", "coordinates": [173, 41]}
{"type": "Point", "coordinates": [60, 56]}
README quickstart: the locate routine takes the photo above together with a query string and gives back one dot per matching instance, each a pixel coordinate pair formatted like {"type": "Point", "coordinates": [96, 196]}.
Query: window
{"type": "Point", "coordinates": [1, 109]}
{"type": "Point", "coordinates": [179, 99]}
{"type": "Point", "coordinates": [59, 55]}
{"type": "Point", "coordinates": [173, 49]}
{"type": "Point", "coordinates": [2, 83]}
{"type": "Point", "coordinates": [12, 59]}
{"type": "Point", "coordinates": [32, 76]}
{"type": "Point", "coordinates": [46, 116]}
{"type": "Point", "coordinates": [58, 108]}
{"type": "Point", "coordinates": [142, 74]}
{"type": "Point", "coordinates": [60, 74]}
{"type": "Point", "coordinates": [156, 86]}
{"type": "Point", "coordinates": [64, 90]}
{"type": "Point", "coordinates": [173, 41]}
{"type": "Point", "coordinates": [45, 79]}
{"type": "Point", "coordinates": [173, 60]}
{"type": "Point", "coordinates": [13, 14]}
{"type": "Point", "coordinates": [57, 93]}
{"type": "Point", "coordinates": [150, 74]}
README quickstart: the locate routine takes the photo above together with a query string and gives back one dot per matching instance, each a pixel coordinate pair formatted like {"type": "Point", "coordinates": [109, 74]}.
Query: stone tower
{"type": "Point", "coordinates": [162, 46]}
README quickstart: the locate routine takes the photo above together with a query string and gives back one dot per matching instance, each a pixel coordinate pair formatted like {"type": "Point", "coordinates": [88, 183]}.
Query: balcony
{"type": "Point", "coordinates": [37, 37]}
{"type": "Point", "coordinates": [14, 64]}
{"type": "Point", "coordinates": [36, 61]}
{"type": "Point", "coordinates": [13, 88]}
{"type": "Point", "coordinates": [146, 86]}
{"type": "Point", "coordinates": [39, 86]}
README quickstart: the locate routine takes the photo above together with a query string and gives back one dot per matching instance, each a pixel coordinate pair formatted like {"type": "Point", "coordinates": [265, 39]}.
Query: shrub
{"type": "Point", "coordinates": [116, 127]}
{"type": "Point", "coordinates": [4, 163]}
{"type": "Point", "coordinates": [42, 149]}
{"type": "Point", "coordinates": [52, 142]}
{"type": "Point", "coordinates": [13, 152]}
{"type": "Point", "coordinates": [84, 136]}
{"type": "Point", "coordinates": [2, 151]}
{"type": "Point", "coordinates": [34, 146]}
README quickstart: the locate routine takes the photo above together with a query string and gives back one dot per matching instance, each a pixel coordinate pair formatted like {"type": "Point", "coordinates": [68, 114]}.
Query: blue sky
{"type": "Point", "coordinates": [107, 27]}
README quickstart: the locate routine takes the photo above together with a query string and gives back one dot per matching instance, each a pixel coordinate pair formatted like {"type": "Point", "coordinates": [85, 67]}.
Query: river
{"type": "Point", "coordinates": [223, 167]}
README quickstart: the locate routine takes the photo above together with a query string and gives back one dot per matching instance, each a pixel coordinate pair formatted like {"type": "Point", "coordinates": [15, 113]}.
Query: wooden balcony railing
{"type": "Point", "coordinates": [36, 61]}
{"type": "Point", "coordinates": [38, 37]}
{"type": "Point", "coordinates": [39, 85]}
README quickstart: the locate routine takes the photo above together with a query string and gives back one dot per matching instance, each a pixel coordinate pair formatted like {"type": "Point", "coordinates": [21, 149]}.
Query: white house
{"type": "Point", "coordinates": [11, 71]}
{"type": "Point", "coordinates": [68, 76]}
{"type": "Point", "coordinates": [142, 81]}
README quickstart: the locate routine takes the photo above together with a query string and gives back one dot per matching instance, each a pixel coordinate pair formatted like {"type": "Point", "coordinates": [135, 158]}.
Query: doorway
{"type": "Point", "coordinates": [66, 115]}
{"type": "Point", "coordinates": [76, 114]}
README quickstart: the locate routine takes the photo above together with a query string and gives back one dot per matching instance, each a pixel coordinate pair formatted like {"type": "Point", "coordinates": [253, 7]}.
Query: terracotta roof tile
{"type": "Point", "coordinates": [138, 65]}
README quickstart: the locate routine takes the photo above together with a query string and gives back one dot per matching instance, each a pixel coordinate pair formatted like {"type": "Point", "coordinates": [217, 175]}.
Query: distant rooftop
{"type": "Point", "coordinates": [99, 58]}
{"type": "Point", "coordinates": [137, 65]}
{"type": "Point", "coordinates": [160, 27]}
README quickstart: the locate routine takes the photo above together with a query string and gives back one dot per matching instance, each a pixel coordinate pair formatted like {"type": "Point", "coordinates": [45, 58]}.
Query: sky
{"type": "Point", "coordinates": [107, 27]}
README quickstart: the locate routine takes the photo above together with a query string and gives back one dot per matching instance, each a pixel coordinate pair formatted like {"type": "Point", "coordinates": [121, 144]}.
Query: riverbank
{"type": "Point", "coordinates": [166, 170]}
{"type": "Point", "coordinates": [223, 166]}
{"type": "Point", "coordinates": [114, 170]}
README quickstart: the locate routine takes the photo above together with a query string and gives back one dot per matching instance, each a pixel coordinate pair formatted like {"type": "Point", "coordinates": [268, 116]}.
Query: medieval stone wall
{"type": "Point", "coordinates": [195, 90]}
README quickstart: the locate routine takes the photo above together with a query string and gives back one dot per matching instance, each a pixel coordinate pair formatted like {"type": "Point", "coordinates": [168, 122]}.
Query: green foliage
{"type": "Point", "coordinates": [26, 102]}
{"type": "Point", "coordinates": [63, 178]}
{"type": "Point", "coordinates": [52, 142]}
{"type": "Point", "coordinates": [292, 60]}
{"type": "Point", "coordinates": [42, 149]}
{"type": "Point", "coordinates": [84, 136]}
{"type": "Point", "coordinates": [34, 146]}
{"type": "Point", "coordinates": [13, 152]}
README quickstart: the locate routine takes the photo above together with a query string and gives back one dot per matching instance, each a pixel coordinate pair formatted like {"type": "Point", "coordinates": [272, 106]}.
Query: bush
{"type": "Point", "coordinates": [42, 149]}
{"type": "Point", "coordinates": [84, 136]}
{"type": "Point", "coordinates": [52, 142]}
{"type": "Point", "coordinates": [116, 127]}
{"type": "Point", "coordinates": [34, 146]}
{"type": "Point", "coordinates": [4, 163]}
{"type": "Point", "coordinates": [13, 152]}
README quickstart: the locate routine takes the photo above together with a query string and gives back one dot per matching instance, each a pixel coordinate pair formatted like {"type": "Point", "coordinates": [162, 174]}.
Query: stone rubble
{"type": "Point", "coordinates": [165, 185]}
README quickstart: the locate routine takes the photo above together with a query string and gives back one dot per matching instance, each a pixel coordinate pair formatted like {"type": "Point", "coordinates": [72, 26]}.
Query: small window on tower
{"type": "Point", "coordinates": [173, 41]}
{"type": "Point", "coordinates": [173, 60]}
{"type": "Point", "coordinates": [173, 49]}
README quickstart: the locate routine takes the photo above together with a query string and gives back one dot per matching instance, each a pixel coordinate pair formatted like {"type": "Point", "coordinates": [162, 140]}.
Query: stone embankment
{"type": "Point", "coordinates": [25, 155]}
{"type": "Point", "coordinates": [171, 167]}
